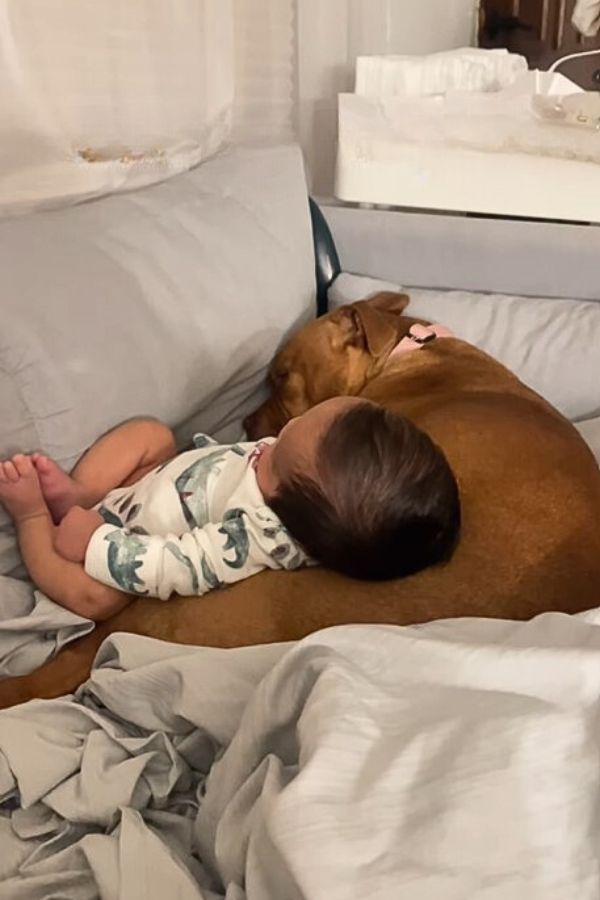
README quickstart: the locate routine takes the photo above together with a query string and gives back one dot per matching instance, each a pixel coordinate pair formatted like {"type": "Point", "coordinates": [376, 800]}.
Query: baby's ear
{"type": "Point", "coordinates": [389, 302]}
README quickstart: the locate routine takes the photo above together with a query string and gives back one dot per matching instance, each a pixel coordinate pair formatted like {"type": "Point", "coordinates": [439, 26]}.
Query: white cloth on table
{"type": "Point", "coordinates": [467, 69]}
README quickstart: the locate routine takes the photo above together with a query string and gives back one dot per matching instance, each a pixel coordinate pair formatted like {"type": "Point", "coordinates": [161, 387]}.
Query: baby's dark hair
{"type": "Point", "coordinates": [384, 503]}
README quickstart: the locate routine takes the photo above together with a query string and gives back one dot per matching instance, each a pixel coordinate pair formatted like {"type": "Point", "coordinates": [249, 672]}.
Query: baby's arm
{"type": "Point", "coordinates": [244, 543]}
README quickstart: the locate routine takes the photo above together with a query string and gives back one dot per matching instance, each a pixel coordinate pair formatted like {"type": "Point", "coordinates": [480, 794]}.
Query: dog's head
{"type": "Point", "coordinates": [333, 356]}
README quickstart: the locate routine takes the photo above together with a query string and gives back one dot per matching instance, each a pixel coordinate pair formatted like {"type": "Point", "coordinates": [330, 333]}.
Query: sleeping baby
{"type": "Point", "coordinates": [348, 484]}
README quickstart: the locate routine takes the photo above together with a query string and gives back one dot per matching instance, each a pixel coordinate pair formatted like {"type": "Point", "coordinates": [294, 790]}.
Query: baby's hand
{"type": "Point", "coordinates": [73, 534]}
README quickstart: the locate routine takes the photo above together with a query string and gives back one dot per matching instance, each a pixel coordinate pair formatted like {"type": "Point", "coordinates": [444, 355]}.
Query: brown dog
{"type": "Point", "coordinates": [530, 492]}
{"type": "Point", "coordinates": [337, 355]}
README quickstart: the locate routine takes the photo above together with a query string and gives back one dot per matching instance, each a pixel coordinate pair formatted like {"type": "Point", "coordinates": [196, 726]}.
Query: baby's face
{"type": "Point", "coordinates": [295, 451]}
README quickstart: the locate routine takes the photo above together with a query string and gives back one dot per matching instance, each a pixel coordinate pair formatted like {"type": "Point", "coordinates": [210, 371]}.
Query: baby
{"type": "Point", "coordinates": [348, 484]}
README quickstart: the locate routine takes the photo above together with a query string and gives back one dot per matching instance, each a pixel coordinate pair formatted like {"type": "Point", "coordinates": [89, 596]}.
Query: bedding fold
{"type": "Point", "coordinates": [455, 759]}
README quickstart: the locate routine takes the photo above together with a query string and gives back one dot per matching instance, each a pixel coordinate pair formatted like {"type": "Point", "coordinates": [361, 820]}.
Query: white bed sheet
{"type": "Point", "coordinates": [456, 759]}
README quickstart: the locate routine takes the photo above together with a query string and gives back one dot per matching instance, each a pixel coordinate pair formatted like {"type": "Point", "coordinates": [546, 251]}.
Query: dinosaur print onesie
{"type": "Point", "coordinates": [195, 523]}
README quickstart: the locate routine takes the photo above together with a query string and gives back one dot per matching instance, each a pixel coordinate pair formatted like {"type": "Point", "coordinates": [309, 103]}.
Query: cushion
{"type": "Point", "coordinates": [465, 253]}
{"type": "Point", "coordinates": [552, 345]}
{"type": "Point", "coordinates": [168, 302]}
{"type": "Point", "coordinates": [590, 431]}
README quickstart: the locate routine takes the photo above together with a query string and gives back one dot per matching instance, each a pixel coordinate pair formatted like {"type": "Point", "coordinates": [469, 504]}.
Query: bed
{"type": "Point", "coordinates": [362, 761]}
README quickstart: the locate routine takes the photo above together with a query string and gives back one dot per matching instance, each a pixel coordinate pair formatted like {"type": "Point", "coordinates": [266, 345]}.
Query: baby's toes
{"type": "Point", "coordinates": [10, 471]}
{"type": "Point", "coordinates": [23, 465]}
{"type": "Point", "coordinates": [40, 461]}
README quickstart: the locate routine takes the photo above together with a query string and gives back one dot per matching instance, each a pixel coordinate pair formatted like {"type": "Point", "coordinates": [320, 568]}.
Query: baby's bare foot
{"type": "Point", "coordinates": [20, 490]}
{"type": "Point", "coordinates": [58, 488]}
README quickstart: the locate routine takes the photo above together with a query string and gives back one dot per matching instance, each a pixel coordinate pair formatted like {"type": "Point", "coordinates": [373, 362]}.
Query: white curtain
{"type": "Point", "coordinates": [265, 70]}
{"type": "Point", "coordinates": [101, 96]}
{"type": "Point", "coordinates": [104, 95]}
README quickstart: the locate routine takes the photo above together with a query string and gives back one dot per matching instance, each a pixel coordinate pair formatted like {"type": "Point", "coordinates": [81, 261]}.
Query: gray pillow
{"type": "Point", "coordinates": [590, 432]}
{"type": "Point", "coordinates": [552, 345]}
{"type": "Point", "coordinates": [169, 301]}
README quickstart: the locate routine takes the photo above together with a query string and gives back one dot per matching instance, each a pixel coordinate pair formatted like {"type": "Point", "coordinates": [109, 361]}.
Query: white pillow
{"type": "Point", "coordinates": [552, 345]}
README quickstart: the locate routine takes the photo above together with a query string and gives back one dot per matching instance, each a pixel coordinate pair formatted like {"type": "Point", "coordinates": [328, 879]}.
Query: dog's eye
{"type": "Point", "coordinates": [280, 375]}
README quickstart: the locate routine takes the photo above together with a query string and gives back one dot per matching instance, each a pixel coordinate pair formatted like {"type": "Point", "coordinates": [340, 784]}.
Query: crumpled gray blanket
{"type": "Point", "coordinates": [451, 760]}
{"type": "Point", "coordinates": [32, 627]}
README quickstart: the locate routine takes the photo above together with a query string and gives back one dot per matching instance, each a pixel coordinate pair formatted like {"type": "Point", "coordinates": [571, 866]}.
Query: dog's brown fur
{"type": "Point", "coordinates": [530, 493]}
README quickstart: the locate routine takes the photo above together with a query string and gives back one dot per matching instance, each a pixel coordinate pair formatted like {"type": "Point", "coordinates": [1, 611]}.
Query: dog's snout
{"type": "Point", "coordinates": [256, 425]}
{"type": "Point", "coordinates": [249, 425]}
{"type": "Point", "coordinates": [266, 421]}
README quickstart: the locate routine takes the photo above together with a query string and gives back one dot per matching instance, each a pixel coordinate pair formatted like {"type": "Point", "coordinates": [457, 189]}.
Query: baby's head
{"type": "Point", "coordinates": [362, 489]}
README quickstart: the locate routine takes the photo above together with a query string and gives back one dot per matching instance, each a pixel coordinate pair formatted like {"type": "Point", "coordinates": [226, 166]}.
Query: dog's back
{"type": "Point", "coordinates": [530, 486]}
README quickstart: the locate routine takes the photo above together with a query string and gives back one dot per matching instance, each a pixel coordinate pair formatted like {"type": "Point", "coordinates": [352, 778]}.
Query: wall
{"type": "Point", "coordinates": [331, 33]}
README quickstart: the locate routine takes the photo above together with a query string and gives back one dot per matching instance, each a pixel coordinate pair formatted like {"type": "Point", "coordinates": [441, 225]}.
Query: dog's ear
{"type": "Point", "coordinates": [364, 327]}
{"type": "Point", "coordinates": [389, 302]}
{"type": "Point", "coordinates": [349, 331]}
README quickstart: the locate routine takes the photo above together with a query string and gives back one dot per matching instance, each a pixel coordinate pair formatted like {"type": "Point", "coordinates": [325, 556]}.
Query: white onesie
{"type": "Point", "coordinates": [195, 523]}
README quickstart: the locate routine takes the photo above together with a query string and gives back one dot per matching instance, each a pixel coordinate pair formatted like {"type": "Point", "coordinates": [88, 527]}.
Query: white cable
{"type": "Point", "coordinates": [564, 59]}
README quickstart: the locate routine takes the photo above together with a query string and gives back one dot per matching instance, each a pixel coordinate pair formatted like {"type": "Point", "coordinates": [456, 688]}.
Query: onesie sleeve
{"type": "Point", "coordinates": [242, 544]}
{"type": "Point", "coordinates": [201, 440]}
